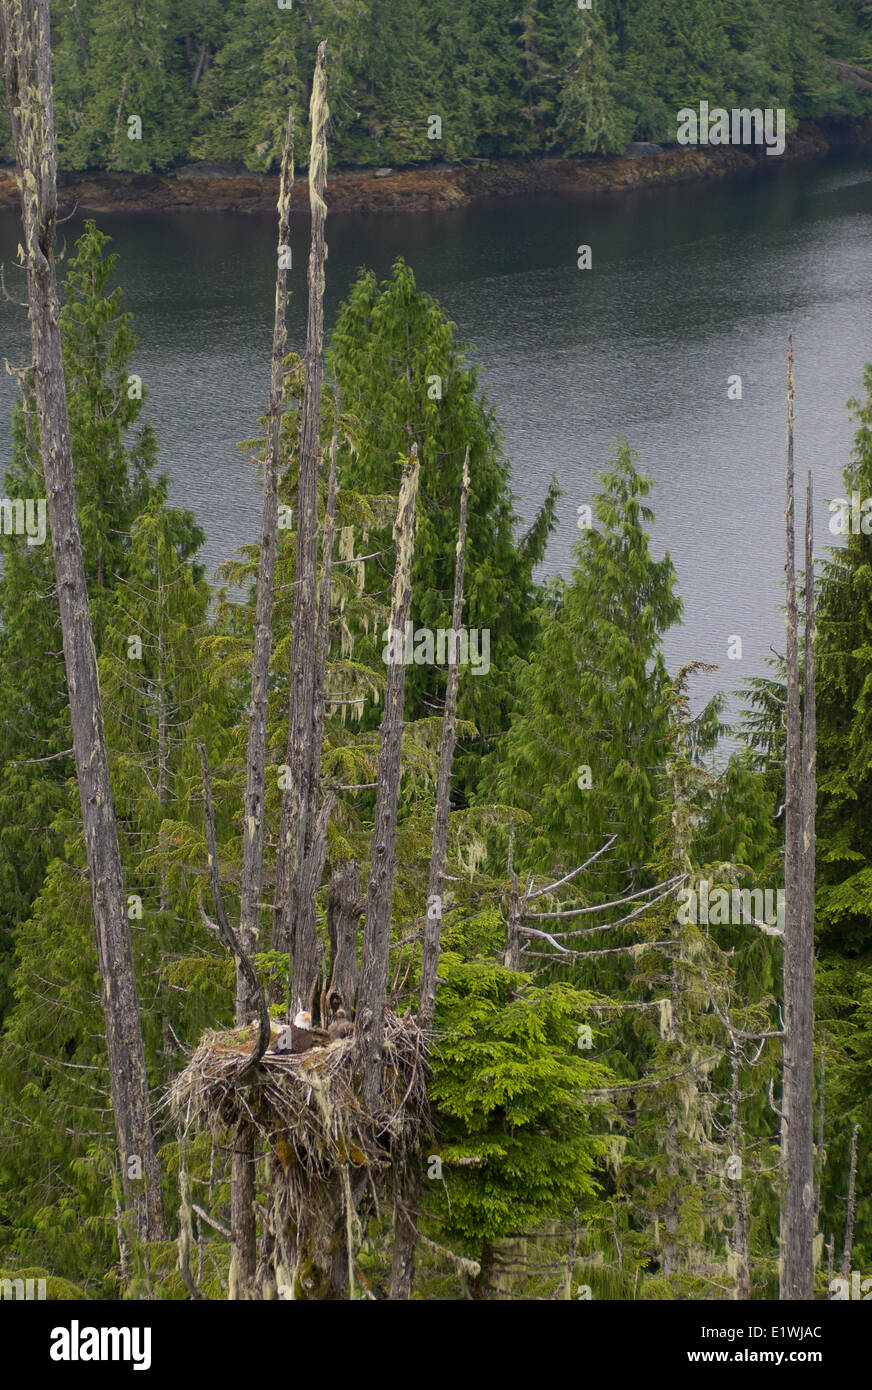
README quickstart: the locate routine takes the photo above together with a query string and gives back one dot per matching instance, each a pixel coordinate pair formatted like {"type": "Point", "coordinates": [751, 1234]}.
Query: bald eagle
{"type": "Point", "coordinates": [298, 1036]}
{"type": "Point", "coordinates": [341, 1027]}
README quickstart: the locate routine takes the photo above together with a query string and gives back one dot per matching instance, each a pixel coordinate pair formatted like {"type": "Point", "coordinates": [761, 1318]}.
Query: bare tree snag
{"type": "Point", "coordinates": [512, 959]}
{"type": "Point", "coordinates": [344, 907]}
{"type": "Point", "coordinates": [797, 1127]}
{"type": "Point", "coordinates": [243, 1229]}
{"type": "Point", "coordinates": [738, 1197]}
{"type": "Point", "coordinates": [808, 848]}
{"type": "Point", "coordinates": [409, 1184]}
{"type": "Point", "coordinates": [186, 1226]}
{"type": "Point", "coordinates": [25, 41]}
{"type": "Point", "coordinates": [295, 930]}
{"type": "Point", "coordinates": [377, 928]}
{"type": "Point", "coordinates": [243, 1240]}
{"type": "Point", "coordinates": [848, 1247]}
{"type": "Point", "coordinates": [308, 949]}
{"type": "Point", "coordinates": [809, 779]}
{"type": "Point", "coordinates": [738, 1194]}
{"type": "Point", "coordinates": [322, 636]}
{"type": "Point", "coordinates": [255, 772]}
{"type": "Point", "coordinates": [248, 993]}
{"type": "Point", "coordinates": [243, 963]}
{"type": "Point", "coordinates": [433, 921]}
{"type": "Point", "coordinates": [820, 1156]}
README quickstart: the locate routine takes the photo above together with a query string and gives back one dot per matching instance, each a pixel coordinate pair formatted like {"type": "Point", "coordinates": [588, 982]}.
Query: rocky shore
{"type": "Point", "coordinates": [435, 187]}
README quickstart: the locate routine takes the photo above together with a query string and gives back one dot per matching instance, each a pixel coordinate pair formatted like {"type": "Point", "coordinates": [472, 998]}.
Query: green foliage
{"type": "Point", "coordinates": [114, 453]}
{"type": "Point", "coordinates": [58, 1162]}
{"type": "Point", "coordinates": [610, 1154]}
{"type": "Point", "coordinates": [594, 694]}
{"type": "Point", "coordinates": [509, 1086]}
{"type": "Point", "coordinates": [844, 828]}
{"type": "Point", "coordinates": [507, 77]}
{"type": "Point", "coordinates": [405, 378]}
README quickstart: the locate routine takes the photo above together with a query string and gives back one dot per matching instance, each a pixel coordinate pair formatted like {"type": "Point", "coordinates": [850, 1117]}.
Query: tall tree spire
{"type": "Point", "coordinates": [25, 34]}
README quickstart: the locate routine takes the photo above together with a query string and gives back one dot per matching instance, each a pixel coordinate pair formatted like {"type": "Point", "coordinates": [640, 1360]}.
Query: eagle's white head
{"type": "Point", "coordinates": [303, 1019]}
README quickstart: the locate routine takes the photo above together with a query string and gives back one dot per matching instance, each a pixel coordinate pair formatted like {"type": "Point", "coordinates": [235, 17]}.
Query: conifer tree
{"type": "Point", "coordinates": [25, 34]}
{"type": "Point", "coordinates": [404, 377]}
{"type": "Point", "coordinates": [135, 106]}
{"type": "Point", "coordinates": [114, 453]}
{"type": "Point", "coordinates": [57, 1150]}
{"type": "Point", "coordinates": [590, 735]}
{"type": "Point", "coordinates": [844, 858]}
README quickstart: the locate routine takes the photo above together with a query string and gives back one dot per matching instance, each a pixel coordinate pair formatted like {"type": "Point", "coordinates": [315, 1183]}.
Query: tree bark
{"type": "Point", "coordinates": [243, 1230]}
{"type": "Point", "coordinates": [500, 1260]}
{"type": "Point", "coordinates": [433, 923]}
{"type": "Point", "coordinates": [255, 773]}
{"type": "Point", "coordinates": [848, 1247]}
{"type": "Point", "coordinates": [409, 1186]}
{"type": "Point", "coordinates": [25, 36]}
{"type": "Point", "coordinates": [306, 956]}
{"type": "Point", "coordinates": [295, 919]}
{"type": "Point", "coordinates": [797, 1127]}
{"type": "Point", "coordinates": [244, 964]}
{"type": "Point", "coordinates": [820, 1133]}
{"type": "Point", "coordinates": [512, 959]}
{"type": "Point", "coordinates": [344, 907]}
{"type": "Point", "coordinates": [377, 928]}
{"type": "Point", "coordinates": [243, 1236]}
{"type": "Point", "coordinates": [741, 1226]}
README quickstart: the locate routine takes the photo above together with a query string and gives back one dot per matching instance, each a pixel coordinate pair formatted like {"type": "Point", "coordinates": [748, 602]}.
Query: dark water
{"type": "Point", "coordinates": [689, 285]}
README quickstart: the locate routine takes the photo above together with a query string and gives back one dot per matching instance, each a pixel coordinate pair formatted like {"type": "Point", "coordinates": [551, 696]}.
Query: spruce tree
{"type": "Point", "coordinates": [591, 731]}
{"type": "Point", "coordinates": [844, 851]}
{"type": "Point", "coordinates": [114, 453]}
{"type": "Point", "coordinates": [404, 376]}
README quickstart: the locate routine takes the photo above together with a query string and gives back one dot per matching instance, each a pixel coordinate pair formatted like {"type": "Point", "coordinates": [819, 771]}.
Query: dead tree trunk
{"type": "Point", "coordinates": [377, 928]}
{"type": "Point", "coordinates": [307, 946]}
{"type": "Point", "coordinates": [848, 1247]}
{"type": "Point", "coordinates": [222, 926]}
{"type": "Point", "coordinates": [819, 1156]}
{"type": "Point", "coordinates": [243, 1243]}
{"type": "Point", "coordinates": [344, 907]}
{"type": "Point", "coordinates": [322, 637]}
{"type": "Point", "coordinates": [255, 771]}
{"type": "Point", "coordinates": [669, 1260]}
{"type": "Point", "coordinates": [25, 35]}
{"type": "Point", "coordinates": [738, 1180]}
{"type": "Point", "coordinates": [409, 1184]}
{"type": "Point", "coordinates": [243, 1228]}
{"type": "Point", "coordinates": [738, 1198]}
{"type": "Point", "coordinates": [433, 921]}
{"type": "Point", "coordinates": [244, 1146]}
{"type": "Point", "coordinates": [295, 916]}
{"type": "Point", "coordinates": [797, 1127]}
{"type": "Point", "coordinates": [513, 932]}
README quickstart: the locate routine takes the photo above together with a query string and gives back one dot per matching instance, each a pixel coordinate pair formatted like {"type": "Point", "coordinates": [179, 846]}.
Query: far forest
{"type": "Point", "coordinates": [379, 920]}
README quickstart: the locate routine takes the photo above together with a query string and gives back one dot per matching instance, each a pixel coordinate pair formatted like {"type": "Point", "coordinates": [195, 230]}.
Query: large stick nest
{"type": "Point", "coordinates": [308, 1106]}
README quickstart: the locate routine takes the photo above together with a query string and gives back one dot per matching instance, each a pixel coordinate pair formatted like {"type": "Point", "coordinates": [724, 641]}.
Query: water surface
{"type": "Point", "coordinates": [689, 285]}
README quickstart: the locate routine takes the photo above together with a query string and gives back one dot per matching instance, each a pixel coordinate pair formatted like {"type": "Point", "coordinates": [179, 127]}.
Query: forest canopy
{"type": "Point", "coordinates": [338, 961]}
{"type": "Point", "coordinates": [150, 87]}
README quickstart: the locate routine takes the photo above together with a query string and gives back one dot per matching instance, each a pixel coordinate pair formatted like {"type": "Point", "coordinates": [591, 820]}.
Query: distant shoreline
{"type": "Point", "coordinates": [437, 187]}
